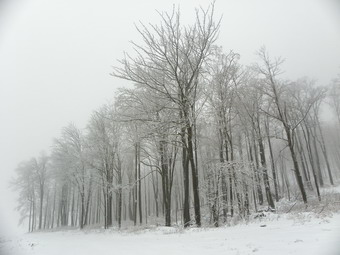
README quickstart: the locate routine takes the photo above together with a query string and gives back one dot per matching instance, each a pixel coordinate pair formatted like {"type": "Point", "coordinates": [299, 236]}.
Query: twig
{"type": "Point", "coordinates": [322, 208]}
{"type": "Point", "coordinates": [292, 207]}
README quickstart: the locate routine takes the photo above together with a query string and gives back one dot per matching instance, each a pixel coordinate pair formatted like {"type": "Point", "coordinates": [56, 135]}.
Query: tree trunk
{"type": "Point", "coordinates": [41, 205]}
{"type": "Point", "coordinates": [120, 191]}
{"type": "Point", "coordinates": [272, 161]}
{"type": "Point", "coordinates": [194, 172]}
{"type": "Point", "coordinates": [316, 154]}
{"type": "Point", "coordinates": [325, 154]}
{"type": "Point", "coordinates": [135, 187]}
{"type": "Point", "coordinates": [185, 166]}
{"type": "Point", "coordinates": [307, 135]}
{"type": "Point", "coordinates": [30, 217]}
{"type": "Point", "coordinates": [257, 174]}
{"type": "Point", "coordinates": [303, 160]}
{"type": "Point", "coordinates": [295, 163]}
{"type": "Point", "coordinates": [82, 209]}
{"type": "Point", "coordinates": [264, 168]}
{"type": "Point", "coordinates": [139, 187]}
{"type": "Point", "coordinates": [223, 182]}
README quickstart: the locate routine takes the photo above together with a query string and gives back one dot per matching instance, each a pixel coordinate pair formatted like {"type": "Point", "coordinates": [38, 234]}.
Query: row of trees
{"type": "Point", "coordinates": [199, 138]}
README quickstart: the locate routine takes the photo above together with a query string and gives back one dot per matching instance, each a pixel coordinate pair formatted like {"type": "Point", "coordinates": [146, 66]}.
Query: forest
{"type": "Point", "coordinates": [198, 139]}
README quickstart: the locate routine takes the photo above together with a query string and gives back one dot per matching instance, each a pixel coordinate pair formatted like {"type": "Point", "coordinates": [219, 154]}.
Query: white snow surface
{"type": "Point", "coordinates": [276, 234]}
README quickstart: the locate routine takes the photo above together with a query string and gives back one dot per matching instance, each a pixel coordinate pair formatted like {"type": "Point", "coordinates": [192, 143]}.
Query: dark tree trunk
{"type": "Point", "coordinates": [272, 162]}
{"type": "Point", "coordinates": [120, 191]}
{"type": "Point", "coordinates": [317, 159]}
{"type": "Point", "coordinates": [87, 204]}
{"type": "Point", "coordinates": [194, 172]}
{"type": "Point", "coordinates": [72, 209]}
{"type": "Point", "coordinates": [155, 191]}
{"type": "Point", "coordinates": [131, 206]}
{"type": "Point", "coordinates": [185, 166]}
{"type": "Point", "coordinates": [325, 154]}
{"type": "Point", "coordinates": [295, 163]}
{"type": "Point", "coordinates": [257, 174]}
{"type": "Point", "coordinates": [139, 187]}
{"type": "Point", "coordinates": [166, 183]}
{"type": "Point", "coordinates": [82, 210]}
{"type": "Point", "coordinates": [264, 168]}
{"type": "Point", "coordinates": [307, 136]}
{"type": "Point", "coordinates": [305, 168]}
{"type": "Point", "coordinates": [223, 181]}
{"type": "Point", "coordinates": [135, 187]}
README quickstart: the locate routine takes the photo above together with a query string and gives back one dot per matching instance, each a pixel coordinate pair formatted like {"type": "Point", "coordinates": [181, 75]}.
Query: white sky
{"type": "Point", "coordinates": [56, 56]}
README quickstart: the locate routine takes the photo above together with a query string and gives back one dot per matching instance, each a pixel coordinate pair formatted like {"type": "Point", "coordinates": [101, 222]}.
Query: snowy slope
{"type": "Point", "coordinates": [302, 234]}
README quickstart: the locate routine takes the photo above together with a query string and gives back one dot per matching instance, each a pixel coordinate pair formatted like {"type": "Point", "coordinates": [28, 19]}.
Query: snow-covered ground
{"type": "Point", "coordinates": [298, 234]}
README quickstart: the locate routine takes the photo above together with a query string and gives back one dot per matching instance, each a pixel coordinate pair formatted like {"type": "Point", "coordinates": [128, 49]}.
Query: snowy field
{"type": "Point", "coordinates": [298, 234]}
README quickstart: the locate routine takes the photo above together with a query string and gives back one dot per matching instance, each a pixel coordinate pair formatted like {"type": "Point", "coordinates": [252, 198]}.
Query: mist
{"type": "Point", "coordinates": [57, 59]}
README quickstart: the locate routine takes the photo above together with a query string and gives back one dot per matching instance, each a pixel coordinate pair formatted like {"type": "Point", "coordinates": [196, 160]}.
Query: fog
{"type": "Point", "coordinates": [56, 58]}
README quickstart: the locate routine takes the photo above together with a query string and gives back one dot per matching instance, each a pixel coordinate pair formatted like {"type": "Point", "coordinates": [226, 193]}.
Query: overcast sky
{"type": "Point", "coordinates": [56, 56]}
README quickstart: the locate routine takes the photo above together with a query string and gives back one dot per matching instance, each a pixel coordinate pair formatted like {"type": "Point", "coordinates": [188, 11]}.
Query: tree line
{"type": "Point", "coordinates": [199, 139]}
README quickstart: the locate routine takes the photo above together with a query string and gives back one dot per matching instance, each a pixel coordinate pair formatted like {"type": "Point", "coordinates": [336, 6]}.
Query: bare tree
{"type": "Point", "coordinates": [40, 172]}
{"type": "Point", "coordinates": [170, 61]}
{"type": "Point", "coordinates": [278, 94]}
{"type": "Point", "coordinates": [69, 152]}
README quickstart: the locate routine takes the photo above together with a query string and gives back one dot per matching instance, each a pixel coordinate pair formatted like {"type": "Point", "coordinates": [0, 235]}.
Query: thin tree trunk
{"type": "Point", "coordinates": [223, 182]}
{"type": "Point", "coordinates": [139, 187]}
{"type": "Point", "coordinates": [30, 217]}
{"type": "Point", "coordinates": [316, 154]}
{"type": "Point", "coordinates": [135, 187]}
{"type": "Point", "coordinates": [303, 160]}
{"type": "Point", "coordinates": [264, 168]}
{"type": "Point", "coordinates": [325, 154]}
{"type": "Point", "coordinates": [41, 205]}
{"type": "Point", "coordinates": [257, 174]}
{"type": "Point", "coordinates": [307, 135]}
